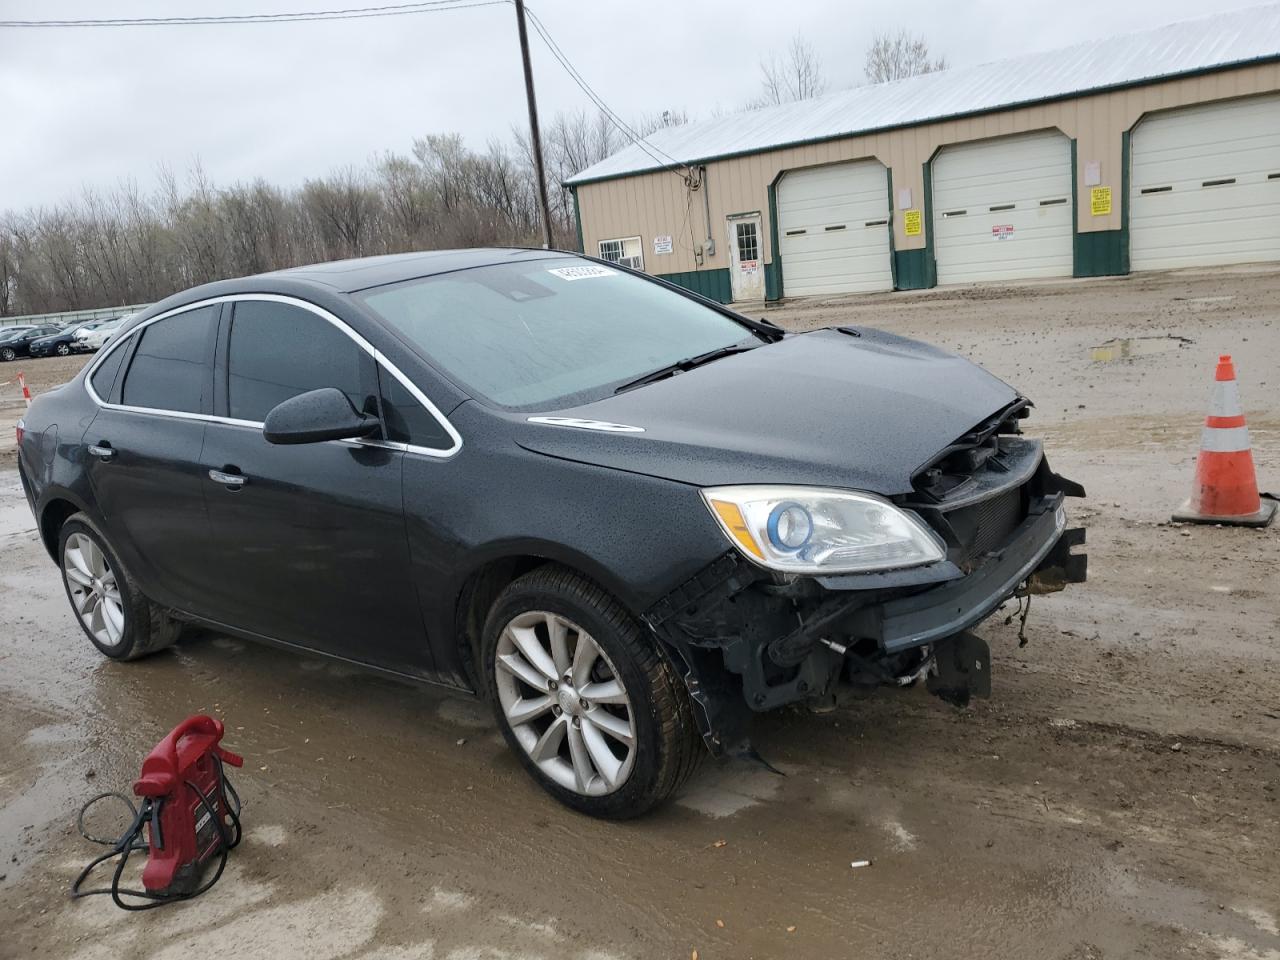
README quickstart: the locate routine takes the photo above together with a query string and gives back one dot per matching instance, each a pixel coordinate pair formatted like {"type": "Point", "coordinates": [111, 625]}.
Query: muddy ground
{"type": "Point", "coordinates": [1118, 797]}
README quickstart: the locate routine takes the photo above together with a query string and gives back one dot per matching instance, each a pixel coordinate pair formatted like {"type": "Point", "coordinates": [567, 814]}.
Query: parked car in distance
{"type": "Point", "coordinates": [60, 343]}
{"type": "Point", "coordinates": [18, 343]}
{"type": "Point", "coordinates": [97, 337]}
{"type": "Point", "coordinates": [628, 517]}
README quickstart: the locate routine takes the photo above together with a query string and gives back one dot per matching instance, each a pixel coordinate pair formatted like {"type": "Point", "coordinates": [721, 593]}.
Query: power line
{"type": "Point", "coordinates": [349, 13]}
{"type": "Point", "coordinates": [668, 164]}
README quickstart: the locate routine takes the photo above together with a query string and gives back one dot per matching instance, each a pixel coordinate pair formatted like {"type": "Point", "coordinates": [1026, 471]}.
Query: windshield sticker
{"type": "Point", "coordinates": [582, 273]}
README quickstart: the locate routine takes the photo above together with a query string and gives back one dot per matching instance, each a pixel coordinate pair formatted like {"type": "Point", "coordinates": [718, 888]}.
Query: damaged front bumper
{"type": "Point", "coordinates": [752, 640]}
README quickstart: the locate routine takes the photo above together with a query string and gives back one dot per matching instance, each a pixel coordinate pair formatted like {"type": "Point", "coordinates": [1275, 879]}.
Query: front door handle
{"type": "Point", "coordinates": [232, 481]}
{"type": "Point", "coordinates": [102, 450]}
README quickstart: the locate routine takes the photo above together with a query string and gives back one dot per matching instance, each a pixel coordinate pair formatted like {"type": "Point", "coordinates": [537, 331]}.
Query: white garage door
{"type": "Point", "coordinates": [833, 229]}
{"type": "Point", "coordinates": [1002, 209]}
{"type": "Point", "coordinates": [1205, 186]}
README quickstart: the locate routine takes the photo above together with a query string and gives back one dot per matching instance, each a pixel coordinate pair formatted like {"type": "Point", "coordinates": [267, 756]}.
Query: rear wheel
{"type": "Point", "coordinates": [584, 698]}
{"type": "Point", "coordinates": [8, 353]}
{"type": "Point", "coordinates": [115, 616]}
{"type": "Point", "coordinates": [62, 349]}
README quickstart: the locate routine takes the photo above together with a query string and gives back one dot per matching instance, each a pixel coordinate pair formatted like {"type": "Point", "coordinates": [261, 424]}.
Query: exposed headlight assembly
{"type": "Point", "coordinates": [821, 531]}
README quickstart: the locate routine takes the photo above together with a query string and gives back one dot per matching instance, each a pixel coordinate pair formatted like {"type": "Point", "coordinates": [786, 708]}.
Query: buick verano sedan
{"type": "Point", "coordinates": [628, 517]}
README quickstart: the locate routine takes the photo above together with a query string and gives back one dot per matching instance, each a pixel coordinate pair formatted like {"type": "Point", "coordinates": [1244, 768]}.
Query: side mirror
{"type": "Point", "coordinates": [315, 416]}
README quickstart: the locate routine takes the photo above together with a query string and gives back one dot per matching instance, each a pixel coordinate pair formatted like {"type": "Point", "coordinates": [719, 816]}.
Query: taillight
{"type": "Point", "coordinates": [20, 430]}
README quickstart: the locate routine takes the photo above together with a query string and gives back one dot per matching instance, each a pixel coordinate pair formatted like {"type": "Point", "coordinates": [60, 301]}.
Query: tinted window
{"type": "Point", "coordinates": [278, 351]}
{"type": "Point", "coordinates": [104, 377]}
{"type": "Point", "coordinates": [539, 333]}
{"type": "Point", "coordinates": [170, 367]}
{"type": "Point", "coordinates": [407, 420]}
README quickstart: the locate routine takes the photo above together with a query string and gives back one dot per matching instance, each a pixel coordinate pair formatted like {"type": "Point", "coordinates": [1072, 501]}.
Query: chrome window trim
{"type": "Point", "coordinates": [378, 358]}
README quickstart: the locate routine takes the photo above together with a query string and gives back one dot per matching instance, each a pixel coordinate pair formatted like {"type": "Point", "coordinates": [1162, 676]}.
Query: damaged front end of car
{"type": "Point", "coordinates": [752, 638]}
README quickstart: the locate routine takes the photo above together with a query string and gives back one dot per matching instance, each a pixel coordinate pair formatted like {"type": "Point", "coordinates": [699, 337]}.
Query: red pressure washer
{"type": "Point", "coordinates": [190, 810]}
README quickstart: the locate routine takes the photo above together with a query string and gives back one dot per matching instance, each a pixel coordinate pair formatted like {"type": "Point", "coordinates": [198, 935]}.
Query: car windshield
{"type": "Point", "coordinates": [553, 332]}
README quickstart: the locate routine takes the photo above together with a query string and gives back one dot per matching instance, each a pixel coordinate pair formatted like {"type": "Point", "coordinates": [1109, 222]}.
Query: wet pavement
{"type": "Point", "coordinates": [1118, 797]}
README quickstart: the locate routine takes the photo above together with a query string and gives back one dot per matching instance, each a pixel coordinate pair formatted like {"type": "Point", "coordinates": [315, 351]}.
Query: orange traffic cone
{"type": "Point", "coordinates": [1226, 486]}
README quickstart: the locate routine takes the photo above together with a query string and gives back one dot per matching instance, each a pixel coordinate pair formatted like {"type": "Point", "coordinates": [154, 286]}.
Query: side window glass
{"type": "Point", "coordinates": [406, 419]}
{"type": "Point", "coordinates": [170, 367]}
{"type": "Point", "coordinates": [278, 350]}
{"type": "Point", "coordinates": [104, 378]}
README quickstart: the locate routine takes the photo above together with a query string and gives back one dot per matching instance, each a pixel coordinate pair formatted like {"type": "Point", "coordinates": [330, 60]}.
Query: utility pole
{"type": "Point", "coordinates": [535, 139]}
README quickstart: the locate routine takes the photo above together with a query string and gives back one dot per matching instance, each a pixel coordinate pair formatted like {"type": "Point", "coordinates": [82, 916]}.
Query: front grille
{"type": "Point", "coordinates": [987, 525]}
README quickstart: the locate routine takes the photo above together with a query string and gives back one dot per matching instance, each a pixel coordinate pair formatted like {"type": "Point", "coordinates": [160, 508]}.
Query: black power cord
{"type": "Point", "coordinates": [131, 842]}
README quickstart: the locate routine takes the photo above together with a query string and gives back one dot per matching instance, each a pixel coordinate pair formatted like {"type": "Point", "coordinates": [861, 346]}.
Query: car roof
{"type": "Point", "coordinates": [348, 276]}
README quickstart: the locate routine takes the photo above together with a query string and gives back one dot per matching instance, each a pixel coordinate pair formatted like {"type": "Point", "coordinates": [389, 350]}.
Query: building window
{"type": "Point", "coordinates": [748, 241]}
{"type": "Point", "coordinates": [626, 252]}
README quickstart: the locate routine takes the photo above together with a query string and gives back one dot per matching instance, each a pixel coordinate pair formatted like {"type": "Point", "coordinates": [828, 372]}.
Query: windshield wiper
{"type": "Point", "coordinates": [688, 363]}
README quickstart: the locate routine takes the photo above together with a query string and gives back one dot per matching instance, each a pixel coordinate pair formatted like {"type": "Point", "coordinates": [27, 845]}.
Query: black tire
{"type": "Point", "coordinates": [147, 628]}
{"type": "Point", "coordinates": [8, 353]}
{"type": "Point", "coordinates": [667, 747]}
{"type": "Point", "coordinates": [62, 350]}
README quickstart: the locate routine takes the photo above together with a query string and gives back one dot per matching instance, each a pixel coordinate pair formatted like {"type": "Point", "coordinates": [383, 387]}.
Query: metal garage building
{"type": "Point", "coordinates": [1147, 151]}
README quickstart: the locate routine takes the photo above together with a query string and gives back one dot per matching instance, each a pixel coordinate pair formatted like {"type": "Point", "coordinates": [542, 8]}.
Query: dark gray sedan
{"type": "Point", "coordinates": [626, 516]}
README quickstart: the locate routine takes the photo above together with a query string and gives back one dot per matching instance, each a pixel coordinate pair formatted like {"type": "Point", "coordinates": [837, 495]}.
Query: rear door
{"type": "Point", "coordinates": [142, 453]}
{"type": "Point", "coordinates": [309, 539]}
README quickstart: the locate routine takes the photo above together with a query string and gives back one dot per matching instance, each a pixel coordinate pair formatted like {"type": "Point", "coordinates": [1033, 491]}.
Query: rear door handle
{"type": "Point", "coordinates": [102, 450]}
{"type": "Point", "coordinates": [233, 481]}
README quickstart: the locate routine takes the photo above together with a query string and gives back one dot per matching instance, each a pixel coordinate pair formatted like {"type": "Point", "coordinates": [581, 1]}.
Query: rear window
{"type": "Point", "coordinates": [170, 369]}
{"type": "Point", "coordinates": [550, 333]}
{"type": "Point", "coordinates": [104, 378]}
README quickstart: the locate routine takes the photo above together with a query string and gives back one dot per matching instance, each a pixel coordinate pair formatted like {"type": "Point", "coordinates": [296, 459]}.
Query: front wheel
{"type": "Point", "coordinates": [584, 697]}
{"type": "Point", "coordinates": [121, 622]}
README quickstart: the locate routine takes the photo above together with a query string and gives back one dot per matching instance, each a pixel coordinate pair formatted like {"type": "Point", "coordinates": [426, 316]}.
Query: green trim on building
{"type": "Point", "coordinates": [1075, 211]}
{"type": "Point", "coordinates": [893, 247]}
{"type": "Point", "coordinates": [1099, 254]}
{"type": "Point", "coordinates": [712, 284]}
{"type": "Point", "coordinates": [773, 269]}
{"type": "Point", "coordinates": [1125, 165]}
{"type": "Point", "coordinates": [928, 268]}
{"type": "Point", "coordinates": [1003, 108]}
{"type": "Point", "coordinates": [910, 270]}
{"type": "Point", "coordinates": [577, 218]}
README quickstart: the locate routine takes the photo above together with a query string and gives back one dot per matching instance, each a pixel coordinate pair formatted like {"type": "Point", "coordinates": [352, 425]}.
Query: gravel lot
{"type": "Point", "coordinates": [1119, 796]}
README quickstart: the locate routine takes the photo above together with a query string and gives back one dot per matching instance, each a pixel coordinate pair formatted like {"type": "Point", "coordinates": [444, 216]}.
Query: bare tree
{"type": "Point", "coordinates": [795, 76]}
{"type": "Point", "coordinates": [896, 56]}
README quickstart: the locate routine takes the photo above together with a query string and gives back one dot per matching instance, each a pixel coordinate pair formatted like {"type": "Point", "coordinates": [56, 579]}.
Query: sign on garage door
{"type": "Point", "coordinates": [1002, 209]}
{"type": "Point", "coordinates": [833, 229]}
{"type": "Point", "coordinates": [1205, 185]}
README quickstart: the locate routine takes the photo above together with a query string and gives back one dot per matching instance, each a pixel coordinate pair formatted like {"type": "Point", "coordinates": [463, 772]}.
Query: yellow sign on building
{"type": "Point", "coordinates": [912, 223]}
{"type": "Point", "coordinates": [1100, 201]}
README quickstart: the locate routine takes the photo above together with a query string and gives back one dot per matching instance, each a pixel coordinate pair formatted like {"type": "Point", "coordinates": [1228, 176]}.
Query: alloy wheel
{"type": "Point", "coordinates": [95, 595]}
{"type": "Point", "coordinates": [566, 703]}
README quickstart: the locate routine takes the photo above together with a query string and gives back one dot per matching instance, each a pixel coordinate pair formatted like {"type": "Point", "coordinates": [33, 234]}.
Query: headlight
{"type": "Point", "coordinates": [821, 531]}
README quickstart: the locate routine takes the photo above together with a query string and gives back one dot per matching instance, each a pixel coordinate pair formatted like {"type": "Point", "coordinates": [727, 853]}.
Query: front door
{"type": "Point", "coordinates": [746, 269]}
{"type": "Point", "coordinates": [309, 539]}
{"type": "Point", "coordinates": [143, 454]}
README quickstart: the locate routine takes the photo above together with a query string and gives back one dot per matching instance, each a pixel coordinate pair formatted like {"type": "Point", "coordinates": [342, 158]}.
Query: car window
{"type": "Point", "coordinates": [278, 350]}
{"type": "Point", "coordinates": [169, 369]}
{"type": "Point", "coordinates": [551, 332]}
{"type": "Point", "coordinates": [407, 420]}
{"type": "Point", "coordinates": [104, 378]}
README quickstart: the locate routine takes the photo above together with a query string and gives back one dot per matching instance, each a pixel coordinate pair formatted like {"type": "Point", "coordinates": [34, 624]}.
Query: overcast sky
{"type": "Point", "coordinates": [87, 107]}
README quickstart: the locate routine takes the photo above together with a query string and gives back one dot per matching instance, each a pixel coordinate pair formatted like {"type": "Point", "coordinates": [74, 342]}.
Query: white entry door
{"type": "Point", "coordinates": [1002, 209]}
{"type": "Point", "coordinates": [1205, 185]}
{"type": "Point", "coordinates": [746, 269]}
{"type": "Point", "coordinates": [833, 229]}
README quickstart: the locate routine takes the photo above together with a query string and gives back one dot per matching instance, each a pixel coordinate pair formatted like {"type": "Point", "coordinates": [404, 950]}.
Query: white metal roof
{"type": "Point", "coordinates": [1221, 40]}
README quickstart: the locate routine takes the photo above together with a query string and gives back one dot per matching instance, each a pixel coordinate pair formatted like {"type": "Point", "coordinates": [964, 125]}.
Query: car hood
{"type": "Point", "coordinates": [864, 411]}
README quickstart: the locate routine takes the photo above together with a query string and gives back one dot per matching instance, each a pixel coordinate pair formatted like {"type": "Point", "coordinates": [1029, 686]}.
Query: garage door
{"type": "Point", "coordinates": [833, 229]}
{"type": "Point", "coordinates": [1002, 209]}
{"type": "Point", "coordinates": [1205, 186]}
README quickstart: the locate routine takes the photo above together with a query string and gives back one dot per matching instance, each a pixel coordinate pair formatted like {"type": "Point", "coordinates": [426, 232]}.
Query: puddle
{"type": "Point", "coordinates": [1129, 348]}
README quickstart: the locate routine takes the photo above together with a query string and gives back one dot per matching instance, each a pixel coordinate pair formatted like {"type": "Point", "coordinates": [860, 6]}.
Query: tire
{"type": "Point", "coordinates": [8, 353]}
{"type": "Point", "coordinates": [145, 627]}
{"type": "Point", "coordinates": [62, 350]}
{"type": "Point", "coordinates": [665, 745]}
